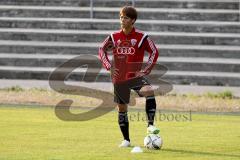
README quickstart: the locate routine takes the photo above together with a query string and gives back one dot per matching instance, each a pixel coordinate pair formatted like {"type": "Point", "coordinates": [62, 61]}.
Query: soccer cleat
{"type": "Point", "coordinates": [125, 143]}
{"type": "Point", "coordinates": [153, 130]}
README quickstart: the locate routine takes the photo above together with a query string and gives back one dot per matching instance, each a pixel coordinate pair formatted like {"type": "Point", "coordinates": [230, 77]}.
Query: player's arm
{"type": "Point", "coordinates": [153, 55]}
{"type": "Point", "coordinates": [106, 46]}
{"type": "Point", "coordinates": [103, 55]}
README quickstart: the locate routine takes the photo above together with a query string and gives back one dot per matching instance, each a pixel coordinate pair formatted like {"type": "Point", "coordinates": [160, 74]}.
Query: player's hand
{"type": "Point", "coordinates": [140, 74]}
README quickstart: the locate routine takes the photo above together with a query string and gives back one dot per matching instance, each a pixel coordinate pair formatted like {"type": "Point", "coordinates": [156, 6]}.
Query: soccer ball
{"type": "Point", "coordinates": [153, 141]}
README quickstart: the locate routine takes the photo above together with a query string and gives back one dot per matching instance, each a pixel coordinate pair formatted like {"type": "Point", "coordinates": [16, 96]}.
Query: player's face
{"type": "Point", "coordinates": [126, 22]}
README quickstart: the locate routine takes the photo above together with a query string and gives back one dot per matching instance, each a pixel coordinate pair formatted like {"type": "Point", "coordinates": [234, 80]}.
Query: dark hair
{"type": "Point", "coordinates": [129, 11]}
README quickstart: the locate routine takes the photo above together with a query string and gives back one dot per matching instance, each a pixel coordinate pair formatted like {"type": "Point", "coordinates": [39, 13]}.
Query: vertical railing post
{"type": "Point", "coordinates": [239, 10]}
{"type": "Point", "coordinates": [133, 3]}
{"type": "Point", "coordinates": [91, 9]}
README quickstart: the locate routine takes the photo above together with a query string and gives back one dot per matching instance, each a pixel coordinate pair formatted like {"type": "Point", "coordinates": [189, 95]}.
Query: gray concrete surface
{"type": "Point", "coordinates": [113, 24]}
{"type": "Point", "coordinates": [216, 4]}
{"type": "Point", "coordinates": [178, 89]}
{"type": "Point", "coordinates": [203, 34]}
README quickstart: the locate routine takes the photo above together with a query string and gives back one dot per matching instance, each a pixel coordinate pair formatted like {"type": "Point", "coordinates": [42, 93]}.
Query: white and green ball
{"type": "Point", "coordinates": [153, 141]}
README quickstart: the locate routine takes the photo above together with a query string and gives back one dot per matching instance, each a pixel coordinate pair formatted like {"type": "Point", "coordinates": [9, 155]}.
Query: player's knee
{"type": "Point", "coordinates": [147, 91]}
{"type": "Point", "coordinates": [122, 107]}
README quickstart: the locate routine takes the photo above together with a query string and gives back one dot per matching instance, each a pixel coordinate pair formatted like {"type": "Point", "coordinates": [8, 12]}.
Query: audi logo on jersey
{"type": "Point", "coordinates": [125, 50]}
{"type": "Point", "coordinates": [125, 47]}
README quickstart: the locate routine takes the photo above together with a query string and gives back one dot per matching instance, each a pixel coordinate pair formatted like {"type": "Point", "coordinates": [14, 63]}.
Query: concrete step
{"type": "Point", "coordinates": [172, 63]}
{"type": "Point", "coordinates": [201, 64]}
{"type": "Point", "coordinates": [216, 4]}
{"type": "Point", "coordinates": [113, 24]}
{"type": "Point", "coordinates": [76, 48]}
{"type": "Point", "coordinates": [203, 78]}
{"type": "Point", "coordinates": [110, 13]}
{"type": "Point", "coordinates": [174, 77]}
{"type": "Point", "coordinates": [99, 36]}
{"type": "Point", "coordinates": [106, 86]}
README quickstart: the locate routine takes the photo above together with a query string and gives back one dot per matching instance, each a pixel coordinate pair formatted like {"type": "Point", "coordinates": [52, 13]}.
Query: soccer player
{"type": "Point", "coordinates": [127, 70]}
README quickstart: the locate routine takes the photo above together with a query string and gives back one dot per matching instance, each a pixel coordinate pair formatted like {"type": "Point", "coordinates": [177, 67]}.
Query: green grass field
{"type": "Point", "coordinates": [28, 133]}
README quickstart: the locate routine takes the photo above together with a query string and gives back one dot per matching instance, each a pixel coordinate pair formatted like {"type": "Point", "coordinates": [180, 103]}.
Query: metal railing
{"type": "Point", "coordinates": [92, 7]}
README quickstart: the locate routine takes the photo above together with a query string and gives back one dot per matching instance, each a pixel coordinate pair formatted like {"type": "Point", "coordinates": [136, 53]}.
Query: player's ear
{"type": "Point", "coordinates": [133, 21]}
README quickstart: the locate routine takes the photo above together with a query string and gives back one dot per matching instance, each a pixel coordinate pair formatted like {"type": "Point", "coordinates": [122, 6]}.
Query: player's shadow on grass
{"type": "Point", "coordinates": [199, 153]}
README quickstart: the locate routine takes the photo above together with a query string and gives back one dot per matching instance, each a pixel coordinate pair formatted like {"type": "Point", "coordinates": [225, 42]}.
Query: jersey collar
{"type": "Point", "coordinates": [132, 32]}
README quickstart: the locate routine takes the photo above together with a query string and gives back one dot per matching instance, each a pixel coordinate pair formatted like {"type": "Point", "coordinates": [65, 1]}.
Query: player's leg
{"type": "Point", "coordinates": [150, 106]}
{"type": "Point", "coordinates": [148, 92]}
{"type": "Point", "coordinates": [144, 89]}
{"type": "Point", "coordinates": [123, 124]}
{"type": "Point", "coordinates": [121, 97]}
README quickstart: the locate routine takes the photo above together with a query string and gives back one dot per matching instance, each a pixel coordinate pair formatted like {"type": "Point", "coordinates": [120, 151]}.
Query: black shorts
{"type": "Point", "coordinates": [122, 90]}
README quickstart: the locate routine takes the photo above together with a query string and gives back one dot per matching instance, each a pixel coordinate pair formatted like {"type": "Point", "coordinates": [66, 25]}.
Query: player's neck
{"type": "Point", "coordinates": [126, 31]}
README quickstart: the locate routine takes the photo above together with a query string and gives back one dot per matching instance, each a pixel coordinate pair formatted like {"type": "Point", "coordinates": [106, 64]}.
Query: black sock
{"type": "Point", "coordinates": [150, 109]}
{"type": "Point", "coordinates": [124, 124]}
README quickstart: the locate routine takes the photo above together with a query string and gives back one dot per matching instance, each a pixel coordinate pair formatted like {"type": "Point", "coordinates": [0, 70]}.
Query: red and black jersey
{"type": "Point", "coordinates": [128, 53]}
